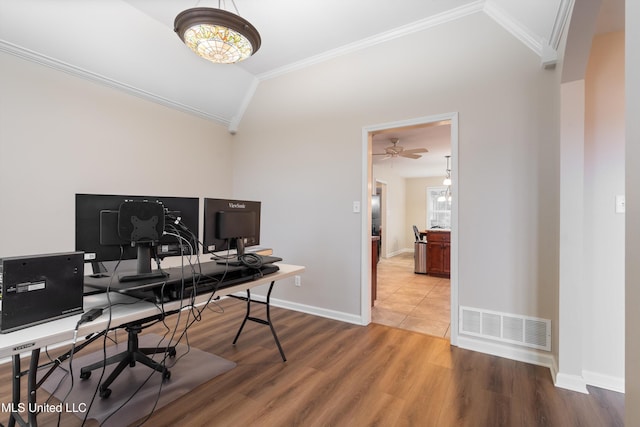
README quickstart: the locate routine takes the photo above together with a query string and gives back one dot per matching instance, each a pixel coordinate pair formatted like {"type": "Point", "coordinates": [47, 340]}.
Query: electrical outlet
{"type": "Point", "coordinates": [297, 281]}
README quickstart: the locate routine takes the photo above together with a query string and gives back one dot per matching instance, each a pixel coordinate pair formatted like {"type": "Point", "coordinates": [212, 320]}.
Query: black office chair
{"type": "Point", "coordinates": [129, 357]}
{"type": "Point", "coordinates": [417, 234]}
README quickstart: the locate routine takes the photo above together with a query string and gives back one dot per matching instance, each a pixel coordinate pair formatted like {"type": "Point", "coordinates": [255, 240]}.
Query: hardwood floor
{"type": "Point", "coordinates": [339, 374]}
{"type": "Point", "coordinates": [406, 300]}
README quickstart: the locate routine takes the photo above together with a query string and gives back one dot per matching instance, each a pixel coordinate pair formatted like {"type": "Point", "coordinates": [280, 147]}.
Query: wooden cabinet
{"type": "Point", "coordinates": [374, 268]}
{"type": "Point", "coordinates": [439, 253]}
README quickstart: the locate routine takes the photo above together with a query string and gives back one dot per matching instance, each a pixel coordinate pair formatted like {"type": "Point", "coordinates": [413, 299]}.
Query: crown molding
{"type": "Point", "coordinates": [562, 17]}
{"type": "Point", "coordinates": [517, 29]}
{"type": "Point", "coordinates": [56, 64]}
{"type": "Point", "coordinates": [432, 21]}
{"type": "Point", "coordinates": [545, 47]}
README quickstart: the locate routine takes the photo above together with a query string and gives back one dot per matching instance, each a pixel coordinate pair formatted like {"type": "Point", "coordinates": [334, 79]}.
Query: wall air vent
{"type": "Point", "coordinates": [504, 327]}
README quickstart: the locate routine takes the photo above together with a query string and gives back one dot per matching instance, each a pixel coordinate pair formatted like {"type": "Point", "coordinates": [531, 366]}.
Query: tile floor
{"type": "Point", "coordinates": [406, 300]}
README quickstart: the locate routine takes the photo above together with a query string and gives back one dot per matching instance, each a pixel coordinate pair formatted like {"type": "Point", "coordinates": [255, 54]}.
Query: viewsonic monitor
{"type": "Point", "coordinates": [231, 224]}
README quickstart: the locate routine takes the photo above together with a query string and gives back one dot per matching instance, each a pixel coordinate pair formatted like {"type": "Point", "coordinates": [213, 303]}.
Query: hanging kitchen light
{"type": "Point", "coordinates": [447, 180]}
{"type": "Point", "coordinates": [446, 194]}
{"type": "Point", "coordinates": [217, 35]}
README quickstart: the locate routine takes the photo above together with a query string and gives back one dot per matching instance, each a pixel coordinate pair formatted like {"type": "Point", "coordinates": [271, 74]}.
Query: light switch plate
{"type": "Point", "coordinates": [620, 203]}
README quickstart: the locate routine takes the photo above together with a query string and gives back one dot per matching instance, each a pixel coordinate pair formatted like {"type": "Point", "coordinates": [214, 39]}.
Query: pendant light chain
{"type": "Point", "coordinates": [223, 4]}
{"type": "Point", "coordinates": [233, 2]}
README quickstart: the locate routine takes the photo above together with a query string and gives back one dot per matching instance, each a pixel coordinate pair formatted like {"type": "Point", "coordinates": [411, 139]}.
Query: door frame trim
{"type": "Point", "coordinates": [366, 189]}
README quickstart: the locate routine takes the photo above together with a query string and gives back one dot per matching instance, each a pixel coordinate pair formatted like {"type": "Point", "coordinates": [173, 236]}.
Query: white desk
{"type": "Point", "coordinates": [32, 339]}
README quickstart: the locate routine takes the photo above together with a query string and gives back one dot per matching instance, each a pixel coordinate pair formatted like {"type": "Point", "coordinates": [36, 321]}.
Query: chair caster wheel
{"type": "Point", "coordinates": [105, 393]}
{"type": "Point", "coordinates": [166, 374]}
{"type": "Point", "coordinates": [85, 375]}
{"type": "Point", "coordinates": [172, 352]}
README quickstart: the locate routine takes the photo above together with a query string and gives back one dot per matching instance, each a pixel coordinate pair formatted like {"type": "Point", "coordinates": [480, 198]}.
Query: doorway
{"type": "Point", "coordinates": [397, 251]}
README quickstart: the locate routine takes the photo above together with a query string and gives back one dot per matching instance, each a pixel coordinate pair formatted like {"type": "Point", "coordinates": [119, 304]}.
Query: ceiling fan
{"type": "Point", "coordinates": [396, 150]}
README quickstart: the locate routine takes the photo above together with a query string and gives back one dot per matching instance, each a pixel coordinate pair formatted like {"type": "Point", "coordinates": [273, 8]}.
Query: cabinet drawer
{"type": "Point", "coordinates": [438, 236]}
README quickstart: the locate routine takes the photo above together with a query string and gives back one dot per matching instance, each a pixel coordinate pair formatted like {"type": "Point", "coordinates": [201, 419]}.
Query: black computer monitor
{"type": "Point", "coordinates": [123, 227]}
{"type": "Point", "coordinates": [231, 224]}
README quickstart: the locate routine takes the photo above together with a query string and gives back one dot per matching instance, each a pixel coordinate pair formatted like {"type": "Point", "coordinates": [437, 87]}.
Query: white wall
{"type": "Point", "coordinates": [303, 134]}
{"type": "Point", "coordinates": [569, 340]}
{"type": "Point", "coordinates": [632, 223]}
{"type": "Point", "coordinates": [396, 205]}
{"type": "Point", "coordinates": [591, 336]}
{"type": "Point", "coordinates": [61, 135]}
{"type": "Point", "coordinates": [604, 174]}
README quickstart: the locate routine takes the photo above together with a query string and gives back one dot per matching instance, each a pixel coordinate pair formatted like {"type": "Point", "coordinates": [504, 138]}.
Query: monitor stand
{"type": "Point", "coordinates": [144, 271]}
{"type": "Point", "coordinates": [235, 261]}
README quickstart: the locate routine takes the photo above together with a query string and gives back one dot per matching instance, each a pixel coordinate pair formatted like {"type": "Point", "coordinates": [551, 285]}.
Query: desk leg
{"type": "Point", "coordinates": [33, 384]}
{"type": "Point", "coordinates": [261, 321]}
{"type": "Point", "coordinates": [31, 390]}
{"type": "Point", "coordinates": [15, 389]}
{"type": "Point", "coordinates": [273, 331]}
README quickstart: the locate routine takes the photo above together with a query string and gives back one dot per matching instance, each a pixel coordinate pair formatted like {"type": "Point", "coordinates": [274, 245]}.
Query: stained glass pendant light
{"type": "Point", "coordinates": [217, 35]}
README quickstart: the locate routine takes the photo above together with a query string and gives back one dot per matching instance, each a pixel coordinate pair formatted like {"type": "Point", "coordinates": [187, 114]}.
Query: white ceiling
{"type": "Point", "coordinates": [131, 45]}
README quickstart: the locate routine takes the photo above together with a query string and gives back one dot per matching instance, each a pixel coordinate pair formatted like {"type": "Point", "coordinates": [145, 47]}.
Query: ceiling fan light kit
{"type": "Point", "coordinates": [217, 35]}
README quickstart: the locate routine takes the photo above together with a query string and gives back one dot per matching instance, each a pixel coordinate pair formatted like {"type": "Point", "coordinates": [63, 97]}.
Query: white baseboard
{"type": "Point", "coordinates": [509, 352]}
{"type": "Point", "coordinates": [316, 311]}
{"type": "Point", "coordinates": [607, 382]}
{"type": "Point", "coordinates": [571, 382]}
{"type": "Point", "coordinates": [398, 252]}
{"type": "Point", "coordinates": [576, 383]}
{"type": "Point", "coordinates": [308, 309]}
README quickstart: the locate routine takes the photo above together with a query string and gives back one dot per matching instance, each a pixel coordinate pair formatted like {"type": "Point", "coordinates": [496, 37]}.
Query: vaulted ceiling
{"type": "Point", "coordinates": [131, 45]}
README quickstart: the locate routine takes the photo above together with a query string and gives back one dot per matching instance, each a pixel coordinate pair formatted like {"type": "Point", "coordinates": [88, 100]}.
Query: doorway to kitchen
{"type": "Point", "coordinates": [425, 303]}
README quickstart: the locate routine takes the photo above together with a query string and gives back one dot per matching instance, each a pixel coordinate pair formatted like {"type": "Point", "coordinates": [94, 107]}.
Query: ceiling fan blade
{"type": "Point", "coordinates": [416, 150]}
{"type": "Point", "coordinates": [410, 155]}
